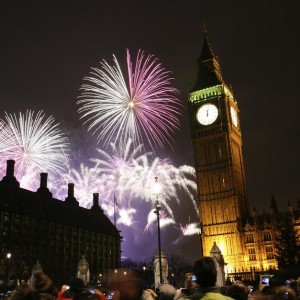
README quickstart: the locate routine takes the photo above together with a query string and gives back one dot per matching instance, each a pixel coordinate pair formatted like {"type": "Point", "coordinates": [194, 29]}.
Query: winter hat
{"type": "Point", "coordinates": [40, 283]}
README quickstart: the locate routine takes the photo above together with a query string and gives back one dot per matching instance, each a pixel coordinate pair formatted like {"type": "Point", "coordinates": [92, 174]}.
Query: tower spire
{"type": "Point", "coordinates": [204, 27]}
{"type": "Point", "coordinates": [273, 205]}
{"type": "Point", "coordinates": [209, 70]}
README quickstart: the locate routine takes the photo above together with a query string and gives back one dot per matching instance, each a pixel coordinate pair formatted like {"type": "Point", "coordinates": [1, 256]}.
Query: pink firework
{"type": "Point", "coordinates": [145, 109]}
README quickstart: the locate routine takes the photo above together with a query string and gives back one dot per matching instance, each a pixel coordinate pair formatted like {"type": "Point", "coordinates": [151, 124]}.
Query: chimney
{"type": "Point", "coordinates": [71, 199]}
{"type": "Point", "coordinates": [43, 189]}
{"type": "Point", "coordinates": [95, 199]}
{"type": "Point", "coordinates": [96, 206]}
{"type": "Point", "coordinates": [10, 178]}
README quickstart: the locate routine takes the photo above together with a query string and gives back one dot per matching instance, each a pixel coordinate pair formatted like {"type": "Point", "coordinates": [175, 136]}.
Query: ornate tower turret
{"type": "Point", "coordinates": [216, 255]}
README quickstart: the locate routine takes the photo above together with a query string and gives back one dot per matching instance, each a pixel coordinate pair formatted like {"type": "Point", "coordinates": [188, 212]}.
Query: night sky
{"type": "Point", "coordinates": [47, 47]}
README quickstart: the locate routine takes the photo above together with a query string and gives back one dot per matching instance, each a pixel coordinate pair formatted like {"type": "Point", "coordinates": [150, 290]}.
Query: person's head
{"type": "Point", "coordinates": [237, 291]}
{"type": "Point", "coordinates": [76, 284]}
{"type": "Point", "coordinates": [43, 287]}
{"type": "Point", "coordinates": [284, 293]}
{"type": "Point", "coordinates": [22, 292]}
{"type": "Point", "coordinates": [167, 292]}
{"type": "Point", "coordinates": [205, 271]}
{"type": "Point", "coordinates": [276, 281]}
{"type": "Point", "coordinates": [266, 290]}
{"type": "Point", "coordinates": [76, 287]}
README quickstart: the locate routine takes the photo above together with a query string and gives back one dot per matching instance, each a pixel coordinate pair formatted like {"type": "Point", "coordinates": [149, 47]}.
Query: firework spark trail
{"type": "Point", "coordinates": [115, 170]}
{"type": "Point", "coordinates": [85, 184]}
{"type": "Point", "coordinates": [36, 144]}
{"type": "Point", "coordinates": [6, 135]}
{"type": "Point", "coordinates": [190, 229]}
{"type": "Point", "coordinates": [171, 178]}
{"type": "Point", "coordinates": [164, 219]}
{"type": "Point", "coordinates": [126, 216]}
{"type": "Point", "coordinates": [145, 107]}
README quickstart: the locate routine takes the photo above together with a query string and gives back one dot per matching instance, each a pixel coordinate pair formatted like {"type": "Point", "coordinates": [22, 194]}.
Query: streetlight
{"type": "Point", "coordinates": [8, 256]}
{"type": "Point", "coordinates": [156, 191]}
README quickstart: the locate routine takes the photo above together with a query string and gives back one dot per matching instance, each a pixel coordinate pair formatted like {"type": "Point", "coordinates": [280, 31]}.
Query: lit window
{"type": "Point", "coordinates": [249, 238]}
{"type": "Point", "coordinates": [251, 252]}
{"type": "Point", "coordinates": [269, 252]}
{"type": "Point", "coordinates": [267, 236]}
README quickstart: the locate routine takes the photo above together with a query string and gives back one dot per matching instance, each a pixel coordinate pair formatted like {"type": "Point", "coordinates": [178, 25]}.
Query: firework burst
{"type": "Point", "coordinates": [35, 143]}
{"type": "Point", "coordinates": [173, 180]}
{"type": "Point", "coordinates": [129, 174]}
{"type": "Point", "coordinates": [114, 170]}
{"type": "Point", "coordinates": [145, 109]}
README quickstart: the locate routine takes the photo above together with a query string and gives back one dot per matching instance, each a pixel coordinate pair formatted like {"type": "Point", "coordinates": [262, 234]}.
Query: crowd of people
{"type": "Point", "coordinates": [202, 285]}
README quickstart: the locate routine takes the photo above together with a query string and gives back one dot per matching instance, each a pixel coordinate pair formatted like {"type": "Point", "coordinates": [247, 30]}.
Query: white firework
{"type": "Point", "coordinates": [190, 229]}
{"type": "Point", "coordinates": [36, 144]}
{"type": "Point", "coordinates": [115, 170]}
{"type": "Point", "coordinates": [126, 216]}
{"type": "Point", "coordinates": [164, 219]}
{"type": "Point", "coordinates": [85, 184]}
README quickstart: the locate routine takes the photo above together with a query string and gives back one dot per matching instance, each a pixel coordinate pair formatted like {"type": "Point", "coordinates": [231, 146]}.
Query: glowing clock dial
{"type": "Point", "coordinates": [207, 114]}
{"type": "Point", "coordinates": [234, 117]}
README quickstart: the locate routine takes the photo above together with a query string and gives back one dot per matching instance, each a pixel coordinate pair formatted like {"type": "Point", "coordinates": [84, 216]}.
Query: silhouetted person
{"type": "Point", "coordinates": [206, 276]}
{"type": "Point", "coordinates": [76, 287]}
{"type": "Point", "coordinates": [22, 292]}
{"type": "Point", "coordinates": [166, 292]}
{"type": "Point", "coordinates": [237, 291]}
{"type": "Point", "coordinates": [42, 286]}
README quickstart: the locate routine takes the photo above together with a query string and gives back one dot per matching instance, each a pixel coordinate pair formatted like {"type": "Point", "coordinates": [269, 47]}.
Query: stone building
{"type": "Point", "coordinates": [34, 226]}
{"type": "Point", "coordinates": [246, 239]}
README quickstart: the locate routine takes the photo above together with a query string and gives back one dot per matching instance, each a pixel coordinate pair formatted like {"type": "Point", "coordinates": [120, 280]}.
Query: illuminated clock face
{"type": "Point", "coordinates": [234, 117]}
{"type": "Point", "coordinates": [207, 114]}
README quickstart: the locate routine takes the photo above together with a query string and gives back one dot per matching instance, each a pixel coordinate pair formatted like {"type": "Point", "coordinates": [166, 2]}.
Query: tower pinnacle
{"type": "Point", "coordinates": [209, 70]}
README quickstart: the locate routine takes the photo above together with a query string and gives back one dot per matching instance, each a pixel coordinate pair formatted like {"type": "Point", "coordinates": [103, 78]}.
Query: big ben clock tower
{"type": "Point", "coordinates": [217, 143]}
